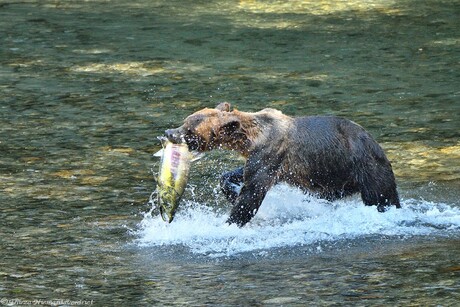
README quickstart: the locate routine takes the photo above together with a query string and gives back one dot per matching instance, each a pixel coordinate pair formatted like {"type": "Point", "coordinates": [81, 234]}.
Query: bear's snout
{"type": "Point", "coordinates": [174, 135]}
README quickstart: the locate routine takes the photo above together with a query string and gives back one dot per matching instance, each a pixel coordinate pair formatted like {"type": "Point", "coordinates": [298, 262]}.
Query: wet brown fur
{"type": "Point", "coordinates": [328, 156]}
{"type": "Point", "coordinates": [233, 130]}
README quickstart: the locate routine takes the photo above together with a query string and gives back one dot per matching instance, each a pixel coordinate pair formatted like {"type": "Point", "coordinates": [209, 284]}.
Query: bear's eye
{"type": "Point", "coordinates": [194, 121]}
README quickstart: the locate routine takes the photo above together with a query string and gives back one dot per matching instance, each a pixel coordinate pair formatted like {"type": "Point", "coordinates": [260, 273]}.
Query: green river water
{"type": "Point", "coordinates": [87, 86]}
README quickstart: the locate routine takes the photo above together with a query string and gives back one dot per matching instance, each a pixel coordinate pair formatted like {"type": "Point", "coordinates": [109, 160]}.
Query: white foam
{"type": "Point", "coordinates": [289, 218]}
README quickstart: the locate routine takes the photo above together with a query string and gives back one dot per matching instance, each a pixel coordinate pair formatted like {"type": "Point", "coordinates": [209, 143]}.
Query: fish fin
{"type": "Point", "coordinates": [163, 140]}
{"type": "Point", "coordinates": [159, 153]}
{"type": "Point", "coordinates": [197, 156]}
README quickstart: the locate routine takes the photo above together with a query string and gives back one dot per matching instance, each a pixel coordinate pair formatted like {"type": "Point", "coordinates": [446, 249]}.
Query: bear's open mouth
{"type": "Point", "coordinates": [194, 142]}
{"type": "Point", "coordinates": [174, 136]}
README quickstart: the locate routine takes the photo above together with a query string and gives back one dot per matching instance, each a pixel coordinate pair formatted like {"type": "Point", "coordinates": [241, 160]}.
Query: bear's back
{"type": "Point", "coordinates": [324, 129]}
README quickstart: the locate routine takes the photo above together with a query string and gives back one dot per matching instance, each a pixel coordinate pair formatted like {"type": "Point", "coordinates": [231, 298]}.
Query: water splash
{"type": "Point", "coordinates": [288, 218]}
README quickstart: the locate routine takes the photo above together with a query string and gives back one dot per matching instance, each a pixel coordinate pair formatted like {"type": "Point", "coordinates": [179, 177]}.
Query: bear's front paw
{"type": "Point", "coordinates": [238, 221]}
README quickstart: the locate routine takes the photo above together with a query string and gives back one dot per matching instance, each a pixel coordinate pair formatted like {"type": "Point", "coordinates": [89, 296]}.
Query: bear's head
{"type": "Point", "coordinates": [210, 129]}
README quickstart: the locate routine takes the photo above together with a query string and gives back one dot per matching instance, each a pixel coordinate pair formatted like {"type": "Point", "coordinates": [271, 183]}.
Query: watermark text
{"type": "Point", "coordinates": [38, 302]}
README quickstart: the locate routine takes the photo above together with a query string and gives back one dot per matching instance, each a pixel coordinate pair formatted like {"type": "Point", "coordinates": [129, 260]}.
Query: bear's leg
{"type": "Point", "coordinates": [259, 177]}
{"type": "Point", "coordinates": [231, 183]}
{"type": "Point", "coordinates": [374, 174]}
{"type": "Point", "coordinates": [247, 204]}
{"type": "Point", "coordinates": [378, 187]}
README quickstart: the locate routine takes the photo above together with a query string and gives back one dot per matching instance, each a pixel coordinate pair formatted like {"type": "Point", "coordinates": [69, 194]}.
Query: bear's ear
{"type": "Point", "coordinates": [230, 127]}
{"type": "Point", "coordinates": [224, 106]}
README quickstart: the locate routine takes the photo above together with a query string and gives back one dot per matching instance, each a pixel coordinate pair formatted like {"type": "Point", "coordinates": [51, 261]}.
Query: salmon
{"type": "Point", "coordinates": [172, 178]}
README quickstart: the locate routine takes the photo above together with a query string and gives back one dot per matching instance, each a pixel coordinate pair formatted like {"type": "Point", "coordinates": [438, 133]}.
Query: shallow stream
{"type": "Point", "coordinates": [87, 86]}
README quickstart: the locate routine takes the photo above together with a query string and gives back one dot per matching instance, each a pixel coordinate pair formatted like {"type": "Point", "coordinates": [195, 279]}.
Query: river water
{"type": "Point", "coordinates": [87, 86]}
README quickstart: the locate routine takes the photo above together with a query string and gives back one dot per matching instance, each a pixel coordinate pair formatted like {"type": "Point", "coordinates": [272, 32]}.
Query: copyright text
{"type": "Point", "coordinates": [20, 302]}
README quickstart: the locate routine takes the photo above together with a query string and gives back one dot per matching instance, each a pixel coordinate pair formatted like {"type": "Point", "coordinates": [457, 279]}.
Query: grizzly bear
{"type": "Point", "coordinates": [328, 156]}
